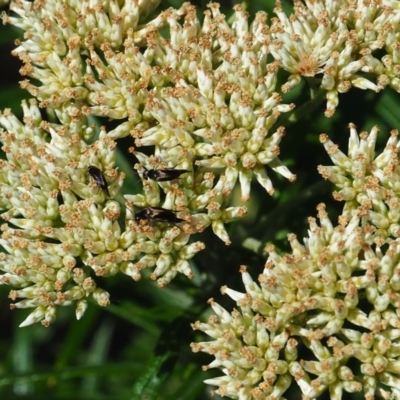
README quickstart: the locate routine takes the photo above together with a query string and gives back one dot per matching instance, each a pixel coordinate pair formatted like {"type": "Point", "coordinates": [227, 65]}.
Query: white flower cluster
{"type": "Point", "coordinates": [58, 228]}
{"type": "Point", "coordinates": [332, 43]}
{"type": "Point", "coordinates": [368, 184]}
{"type": "Point", "coordinates": [204, 99]}
{"type": "Point", "coordinates": [207, 88]}
{"type": "Point", "coordinates": [337, 297]}
{"type": "Point", "coordinates": [52, 216]}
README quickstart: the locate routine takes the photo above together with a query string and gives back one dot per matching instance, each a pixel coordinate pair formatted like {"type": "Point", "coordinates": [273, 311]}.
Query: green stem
{"type": "Point", "coordinates": [317, 97]}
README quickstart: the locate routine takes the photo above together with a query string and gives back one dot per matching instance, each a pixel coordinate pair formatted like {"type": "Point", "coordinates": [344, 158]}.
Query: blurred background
{"type": "Point", "coordinates": [138, 347]}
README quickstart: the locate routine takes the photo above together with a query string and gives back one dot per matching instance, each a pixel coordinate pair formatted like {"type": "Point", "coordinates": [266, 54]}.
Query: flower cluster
{"type": "Point", "coordinates": [203, 100]}
{"type": "Point", "coordinates": [367, 183]}
{"type": "Point", "coordinates": [61, 228]}
{"type": "Point", "coordinates": [200, 109]}
{"type": "Point", "coordinates": [336, 39]}
{"type": "Point", "coordinates": [326, 315]}
{"type": "Point", "coordinates": [204, 104]}
{"type": "Point", "coordinates": [207, 92]}
{"type": "Point", "coordinates": [47, 227]}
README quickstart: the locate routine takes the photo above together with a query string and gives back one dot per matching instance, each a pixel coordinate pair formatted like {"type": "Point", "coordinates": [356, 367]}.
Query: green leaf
{"type": "Point", "coordinates": [161, 364]}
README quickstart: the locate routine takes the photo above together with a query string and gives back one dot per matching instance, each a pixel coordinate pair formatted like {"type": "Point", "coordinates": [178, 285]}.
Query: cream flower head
{"type": "Point", "coordinates": [61, 229]}
{"type": "Point", "coordinates": [304, 321]}
{"type": "Point", "coordinates": [325, 315]}
{"type": "Point", "coordinates": [332, 45]}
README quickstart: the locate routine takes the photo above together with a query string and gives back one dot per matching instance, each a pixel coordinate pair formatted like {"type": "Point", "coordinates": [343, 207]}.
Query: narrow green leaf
{"type": "Point", "coordinates": [70, 373]}
{"type": "Point", "coordinates": [76, 335]}
{"type": "Point", "coordinates": [161, 364]}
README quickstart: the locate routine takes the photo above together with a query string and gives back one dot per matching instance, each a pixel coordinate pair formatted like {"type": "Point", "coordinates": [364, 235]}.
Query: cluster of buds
{"type": "Point", "coordinates": [61, 224]}
{"type": "Point", "coordinates": [331, 44]}
{"type": "Point", "coordinates": [325, 316]}
{"type": "Point", "coordinates": [207, 112]}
